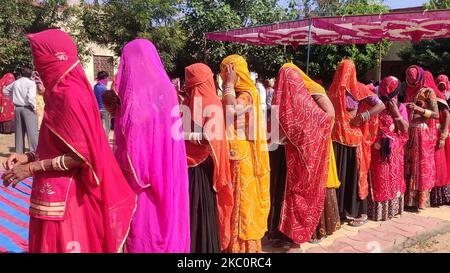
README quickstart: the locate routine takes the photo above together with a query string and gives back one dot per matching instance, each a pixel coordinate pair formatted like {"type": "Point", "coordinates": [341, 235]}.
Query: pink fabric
{"type": "Point", "coordinates": [353, 29]}
{"type": "Point", "coordinates": [146, 148]}
{"type": "Point", "coordinates": [99, 203]}
{"type": "Point", "coordinates": [422, 164]}
{"type": "Point", "coordinates": [387, 176]}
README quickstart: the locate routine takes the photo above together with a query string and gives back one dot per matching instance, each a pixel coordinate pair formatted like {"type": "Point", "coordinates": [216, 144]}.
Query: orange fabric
{"type": "Point", "coordinates": [200, 85]}
{"type": "Point", "coordinates": [362, 137]}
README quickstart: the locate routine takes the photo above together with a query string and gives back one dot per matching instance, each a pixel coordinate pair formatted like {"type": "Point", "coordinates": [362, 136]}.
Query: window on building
{"type": "Point", "coordinates": [104, 63]}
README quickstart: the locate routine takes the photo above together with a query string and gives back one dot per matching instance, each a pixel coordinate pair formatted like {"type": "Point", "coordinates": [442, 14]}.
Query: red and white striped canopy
{"type": "Point", "coordinates": [359, 29]}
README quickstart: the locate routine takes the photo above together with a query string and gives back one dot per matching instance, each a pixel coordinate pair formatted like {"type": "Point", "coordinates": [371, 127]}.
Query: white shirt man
{"type": "Point", "coordinates": [22, 92]}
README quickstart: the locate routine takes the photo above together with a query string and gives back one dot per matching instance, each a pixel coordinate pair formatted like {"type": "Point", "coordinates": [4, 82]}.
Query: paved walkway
{"type": "Point", "coordinates": [377, 237]}
{"type": "Point", "coordinates": [390, 236]}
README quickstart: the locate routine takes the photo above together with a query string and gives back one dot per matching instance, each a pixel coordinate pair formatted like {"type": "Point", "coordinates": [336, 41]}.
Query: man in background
{"type": "Point", "coordinates": [23, 94]}
{"type": "Point", "coordinates": [100, 88]}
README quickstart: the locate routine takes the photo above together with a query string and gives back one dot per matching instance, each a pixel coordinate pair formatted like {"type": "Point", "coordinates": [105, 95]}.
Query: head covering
{"type": "Point", "coordinates": [6, 80]}
{"type": "Point", "coordinates": [416, 79]}
{"type": "Point", "coordinates": [388, 90]}
{"type": "Point", "coordinates": [71, 113]}
{"type": "Point", "coordinates": [362, 137]}
{"type": "Point", "coordinates": [308, 129]}
{"type": "Point", "coordinates": [150, 146]}
{"type": "Point", "coordinates": [443, 83]}
{"type": "Point", "coordinates": [245, 84]}
{"type": "Point", "coordinates": [202, 91]}
{"type": "Point", "coordinates": [312, 86]}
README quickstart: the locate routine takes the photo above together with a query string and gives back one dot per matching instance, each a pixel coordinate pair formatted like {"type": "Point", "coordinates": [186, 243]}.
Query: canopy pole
{"type": "Point", "coordinates": [380, 59]}
{"type": "Point", "coordinates": [309, 46]}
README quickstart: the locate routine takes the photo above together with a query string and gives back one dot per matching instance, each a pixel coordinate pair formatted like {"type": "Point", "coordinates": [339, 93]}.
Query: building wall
{"type": "Point", "coordinates": [97, 50]}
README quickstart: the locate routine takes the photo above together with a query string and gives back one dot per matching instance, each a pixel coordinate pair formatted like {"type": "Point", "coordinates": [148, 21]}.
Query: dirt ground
{"type": "Point", "coordinates": [438, 244]}
{"type": "Point", "coordinates": [6, 146]}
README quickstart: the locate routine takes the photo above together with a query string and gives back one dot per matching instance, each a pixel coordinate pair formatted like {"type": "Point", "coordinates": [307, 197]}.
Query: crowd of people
{"type": "Point", "coordinates": [193, 171]}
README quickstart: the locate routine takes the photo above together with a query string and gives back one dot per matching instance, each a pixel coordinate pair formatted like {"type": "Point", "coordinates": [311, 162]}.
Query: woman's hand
{"type": "Point", "coordinates": [440, 144]}
{"type": "Point", "coordinates": [393, 109]}
{"type": "Point", "coordinates": [15, 159]}
{"type": "Point", "coordinates": [356, 121]}
{"type": "Point", "coordinates": [111, 101]}
{"type": "Point", "coordinates": [16, 174]}
{"type": "Point", "coordinates": [231, 76]}
{"type": "Point", "coordinates": [414, 107]}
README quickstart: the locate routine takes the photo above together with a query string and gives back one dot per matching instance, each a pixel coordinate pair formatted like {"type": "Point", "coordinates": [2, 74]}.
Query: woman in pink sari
{"type": "Point", "coordinates": [151, 153]}
{"type": "Point", "coordinates": [80, 200]}
{"type": "Point", "coordinates": [423, 113]}
{"type": "Point", "coordinates": [387, 183]}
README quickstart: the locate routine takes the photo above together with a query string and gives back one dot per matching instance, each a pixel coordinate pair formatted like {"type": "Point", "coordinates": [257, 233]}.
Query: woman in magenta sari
{"type": "Point", "coordinates": [423, 113]}
{"type": "Point", "coordinates": [387, 187]}
{"type": "Point", "coordinates": [440, 195]}
{"type": "Point", "coordinates": [80, 201]}
{"type": "Point", "coordinates": [152, 157]}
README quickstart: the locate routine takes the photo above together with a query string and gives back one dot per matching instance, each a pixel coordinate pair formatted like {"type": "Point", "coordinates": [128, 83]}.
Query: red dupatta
{"type": "Point", "coordinates": [362, 137]}
{"type": "Point", "coordinates": [6, 104]}
{"type": "Point", "coordinates": [308, 129]}
{"type": "Point", "coordinates": [72, 115]}
{"type": "Point", "coordinates": [200, 85]}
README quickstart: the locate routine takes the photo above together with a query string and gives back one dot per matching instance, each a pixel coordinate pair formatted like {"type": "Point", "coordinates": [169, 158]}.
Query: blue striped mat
{"type": "Point", "coordinates": [14, 204]}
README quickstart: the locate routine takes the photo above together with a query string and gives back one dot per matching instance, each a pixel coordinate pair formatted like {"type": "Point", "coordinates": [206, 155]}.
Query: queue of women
{"type": "Point", "coordinates": [346, 155]}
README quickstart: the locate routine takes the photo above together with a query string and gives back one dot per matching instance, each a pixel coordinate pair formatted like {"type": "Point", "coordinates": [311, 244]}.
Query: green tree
{"type": "Point", "coordinates": [438, 4]}
{"type": "Point", "coordinates": [433, 55]}
{"type": "Point", "coordinates": [214, 15]}
{"type": "Point", "coordinates": [325, 58]}
{"type": "Point", "coordinates": [116, 22]}
{"type": "Point", "coordinates": [20, 17]}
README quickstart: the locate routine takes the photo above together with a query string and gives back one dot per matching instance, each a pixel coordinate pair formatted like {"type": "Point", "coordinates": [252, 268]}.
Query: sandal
{"type": "Point", "coordinates": [359, 222]}
{"type": "Point", "coordinates": [316, 241]}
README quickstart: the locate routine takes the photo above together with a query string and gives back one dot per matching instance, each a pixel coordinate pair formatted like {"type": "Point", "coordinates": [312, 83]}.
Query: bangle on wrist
{"type": "Point", "coordinates": [31, 169]}
{"type": "Point", "coordinates": [427, 114]}
{"type": "Point", "coordinates": [42, 166]}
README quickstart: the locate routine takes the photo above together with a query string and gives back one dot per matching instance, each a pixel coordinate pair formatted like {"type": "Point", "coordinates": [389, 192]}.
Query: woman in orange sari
{"type": "Point", "coordinates": [249, 157]}
{"type": "Point", "coordinates": [354, 132]}
{"type": "Point", "coordinates": [211, 196]}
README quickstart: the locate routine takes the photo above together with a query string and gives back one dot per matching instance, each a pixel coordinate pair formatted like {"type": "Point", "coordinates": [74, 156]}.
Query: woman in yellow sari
{"type": "Point", "coordinates": [329, 221]}
{"type": "Point", "coordinates": [249, 157]}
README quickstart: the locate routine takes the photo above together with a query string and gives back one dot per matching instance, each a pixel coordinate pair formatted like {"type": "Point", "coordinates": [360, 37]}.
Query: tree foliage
{"type": "Point", "coordinates": [116, 22]}
{"type": "Point", "coordinates": [325, 58]}
{"type": "Point", "coordinates": [433, 55]}
{"type": "Point", "coordinates": [20, 17]}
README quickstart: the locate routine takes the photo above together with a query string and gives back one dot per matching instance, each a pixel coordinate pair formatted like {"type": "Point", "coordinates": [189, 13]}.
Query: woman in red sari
{"type": "Point", "coordinates": [387, 187]}
{"type": "Point", "coordinates": [423, 111]}
{"type": "Point", "coordinates": [307, 129]}
{"type": "Point", "coordinates": [440, 195]}
{"type": "Point", "coordinates": [80, 201]}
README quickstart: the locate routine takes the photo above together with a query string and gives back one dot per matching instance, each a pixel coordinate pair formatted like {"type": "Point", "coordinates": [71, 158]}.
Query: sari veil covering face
{"type": "Point", "coordinates": [250, 167]}
{"type": "Point", "coordinates": [206, 112]}
{"type": "Point", "coordinates": [361, 137]}
{"type": "Point", "coordinates": [387, 167]}
{"type": "Point", "coordinates": [421, 163]}
{"type": "Point", "coordinates": [308, 129]}
{"type": "Point", "coordinates": [315, 88]}
{"type": "Point", "coordinates": [150, 150]}
{"type": "Point", "coordinates": [88, 209]}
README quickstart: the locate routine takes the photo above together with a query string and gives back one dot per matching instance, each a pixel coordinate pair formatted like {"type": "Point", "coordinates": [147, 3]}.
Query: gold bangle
{"type": "Point", "coordinates": [42, 165]}
{"type": "Point", "coordinates": [427, 114]}
{"type": "Point", "coordinates": [63, 164]}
